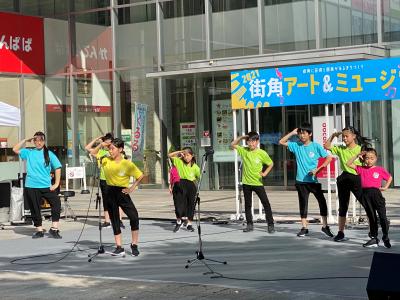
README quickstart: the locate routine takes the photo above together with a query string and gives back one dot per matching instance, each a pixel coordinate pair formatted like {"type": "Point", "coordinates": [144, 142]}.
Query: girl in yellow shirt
{"type": "Point", "coordinates": [118, 171]}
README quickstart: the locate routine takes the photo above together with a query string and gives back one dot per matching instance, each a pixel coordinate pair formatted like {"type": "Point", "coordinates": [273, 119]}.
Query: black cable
{"type": "Point", "coordinates": [15, 261]}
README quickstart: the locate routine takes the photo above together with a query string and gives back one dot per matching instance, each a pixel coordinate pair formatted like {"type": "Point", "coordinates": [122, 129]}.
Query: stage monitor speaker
{"type": "Point", "coordinates": [384, 277]}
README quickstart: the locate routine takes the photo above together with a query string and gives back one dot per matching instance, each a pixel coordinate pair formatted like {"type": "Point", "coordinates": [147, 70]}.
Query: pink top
{"type": "Point", "coordinates": [173, 176]}
{"type": "Point", "coordinates": [371, 177]}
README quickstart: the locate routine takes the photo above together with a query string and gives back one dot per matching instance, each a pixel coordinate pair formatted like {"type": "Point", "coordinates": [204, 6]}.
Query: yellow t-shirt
{"type": "Point", "coordinates": [119, 173]}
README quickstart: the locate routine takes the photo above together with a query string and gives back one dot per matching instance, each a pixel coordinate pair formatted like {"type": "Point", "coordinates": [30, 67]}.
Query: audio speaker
{"type": "Point", "coordinates": [384, 277]}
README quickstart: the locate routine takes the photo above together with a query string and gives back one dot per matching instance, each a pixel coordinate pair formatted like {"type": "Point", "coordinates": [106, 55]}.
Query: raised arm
{"type": "Point", "coordinates": [95, 150]}
{"type": "Point", "coordinates": [18, 146]}
{"type": "Point", "coordinates": [175, 153]}
{"type": "Point", "coordinates": [328, 143]}
{"type": "Point", "coordinates": [284, 141]}
{"type": "Point", "coordinates": [350, 163]}
{"type": "Point", "coordinates": [237, 141]}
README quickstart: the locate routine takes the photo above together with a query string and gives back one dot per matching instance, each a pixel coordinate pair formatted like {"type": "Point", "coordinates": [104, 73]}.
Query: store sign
{"type": "Point", "coordinates": [126, 136]}
{"type": "Point", "coordinates": [21, 44]}
{"type": "Point", "coordinates": [353, 81]}
{"type": "Point", "coordinates": [138, 131]}
{"type": "Point", "coordinates": [222, 124]}
{"type": "Point", "coordinates": [188, 134]}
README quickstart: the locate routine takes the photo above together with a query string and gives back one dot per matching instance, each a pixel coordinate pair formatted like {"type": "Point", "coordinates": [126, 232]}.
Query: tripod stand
{"type": "Point", "coordinates": [100, 248]}
{"type": "Point", "coordinates": [199, 253]}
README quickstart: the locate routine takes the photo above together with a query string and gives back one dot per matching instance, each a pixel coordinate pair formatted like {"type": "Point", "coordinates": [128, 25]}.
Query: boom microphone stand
{"type": "Point", "coordinates": [100, 248]}
{"type": "Point", "coordinates": [199, 253]}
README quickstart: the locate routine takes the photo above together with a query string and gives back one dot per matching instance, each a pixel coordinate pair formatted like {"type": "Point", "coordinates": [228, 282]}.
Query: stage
{"type": "Point", "coordinates": [260, 265]}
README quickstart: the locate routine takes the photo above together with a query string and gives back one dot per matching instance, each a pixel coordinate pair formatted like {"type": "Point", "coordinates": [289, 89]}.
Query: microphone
{"type": "Point", "coordinates": [209, 151]}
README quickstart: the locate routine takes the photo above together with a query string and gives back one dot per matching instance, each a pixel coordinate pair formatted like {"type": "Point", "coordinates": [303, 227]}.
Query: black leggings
{"type": "Point", "coordinates": [189, 191]}
{"type": "Point", "coordinates": [33, 197]}
{"type": "Point", "coordinates": [303, 190]}
{"type": "Point", "coordinates": [347, 183]}
{"type": "Point", "coordinates": [179, 203]}
{"type": "Point", "coordinates": [375, 203]}
{"type": "Point", "coordinates": [118, 199]}
{"type": "Point", "coordinates": [260, 191]}
{"type": "Point", "coordinates": [104, 193]}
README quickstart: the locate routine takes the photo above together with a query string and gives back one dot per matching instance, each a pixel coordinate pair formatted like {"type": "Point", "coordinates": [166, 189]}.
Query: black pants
{"type": "Point", "coordinates": [118, 199]}
{"type": "Point", "coordinates": [179, 203]}
{"type": "Point", "coordinates": [260, 191]}
{"type": "Point", "coordinates": [347, 183]}
{"type": "Point", "coordinates": [33, 197]}
{"type": "Point", "coordinates": [303, 190]}
{"type": "Point", "coordinates": [189, 191]}
{"type": "Point", "coordinates": [104, 193]}
{"type": "Point", "coordinates": [375, 203]}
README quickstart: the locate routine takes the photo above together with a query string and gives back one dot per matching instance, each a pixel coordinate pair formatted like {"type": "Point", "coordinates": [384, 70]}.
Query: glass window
{"type": "Point", "coordinates": [80, 5]}
{"type": "Point", "coordinates": [346, 23]}
{"type": "Point", "coordinates": [45, 8]}
{"type": "Point", "coordinates": [289, 25]}
{"type": "Point", "coordinates": [33, 105]}
{"type": "Point", "coordinates": [391, 21]}
{"type": "Point", "coordinates": [184, 36]}
{"type": "Point", "coordinates": [134, 88]}
{"type": "Point", "coordinates": [182, 8]}
{"type": "Point", "coordinates": [225, 5]}
{"type": "Point", "coordinates": [137, 14]}
{"type": "Point", "coordinates": [93, 41]}
{"type": "Point", "coordinates": [56, 39]}
{"type": "Point", "coordinates": [7, 5]}
{"type": "Point", "coordinates": [234, 32]}
{"type": "Point", "coordinates": [136, 42]}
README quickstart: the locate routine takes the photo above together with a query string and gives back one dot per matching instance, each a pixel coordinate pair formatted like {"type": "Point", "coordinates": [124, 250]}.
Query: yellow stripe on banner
{"type": "Point", "coordinates": [234, 75]}
{"type": "Point", "coordinates": [234, 85]}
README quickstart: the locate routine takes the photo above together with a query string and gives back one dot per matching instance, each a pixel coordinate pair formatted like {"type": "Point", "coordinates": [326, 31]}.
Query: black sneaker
{"type": "Point", "coordinates": [190, 228]}
{"type": "Point", "coordinates": [106, 225]}
{"type": "Point", "coordinates": [387, 244]}
{"type": "Point", "coordinates": [135, 251]}
{"type": "Point", "coordinates": [38, 235]}
{"type": "Point", "coordinates": [177, 227]}
{"type": "Point", "coordinates": [119, 251]}
{"type": "Point", "coordinates": [339, 237]}
{"type": "Point", "coordinates": [327, 231]}
{"type": "Point", "coordinates": [55, 233]}
{"type": "Point", "coordinates": [248, 228]}
{"type": "Point", "coordinates": [185, 223]}
{"type": "Point", "coordinates": [371, 243]}
{"type": "Point", "coordinates": [121, 225]}
{"type": "Point", "coordinates": [271, 228]}
{"type": "Point", "coordinates": [303, 232]}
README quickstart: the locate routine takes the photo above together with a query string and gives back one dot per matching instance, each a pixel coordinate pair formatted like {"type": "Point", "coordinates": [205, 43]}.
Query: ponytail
{"type": "Point", "coordinates": [124, 154]}
{"type": "Point", "coordinates": [46, 156]}
{"type": "Point", "coordinates": [363, 141]}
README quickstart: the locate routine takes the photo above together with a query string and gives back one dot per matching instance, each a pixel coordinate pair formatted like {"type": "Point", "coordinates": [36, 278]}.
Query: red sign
{"type": "Point", "coordinates": [324, 171]}
{"type": "Point", "coordinates": [21, 44]}
{"type": "Point", "coordinates": [81, 108]}
{"type": "Point", "coordinates": [206, 133]}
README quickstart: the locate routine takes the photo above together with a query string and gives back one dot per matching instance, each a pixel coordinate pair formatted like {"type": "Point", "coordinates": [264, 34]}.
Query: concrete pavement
{"type": "Point", "coordinates": [260, 265]}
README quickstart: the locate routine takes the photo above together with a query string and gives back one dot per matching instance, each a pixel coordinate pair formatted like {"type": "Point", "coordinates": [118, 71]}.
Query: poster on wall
{"type": "Point", "coordinates": [138, 131]}
{"type": "Point", "coordinates": [188, 134]}
{"type": "Point", "coordinates": [222, 124]}
{"type": "Point", "coordinates": [126, 135]}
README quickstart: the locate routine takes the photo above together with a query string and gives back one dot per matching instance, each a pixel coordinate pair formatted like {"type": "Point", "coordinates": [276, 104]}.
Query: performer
{"type": "Point", "coordinates": [100, 151]}
{"type": "Point", "coordinates": [118, 171]}
{"type": "Point", "coordinates": [349, 180]}
{"type": "Point", "coordinates": [307, 154]}
{"type": "Point", "coordinates": [40, 161]}
{"type": "Point", "coordinates": [371, 182]}
{"type": "Point", "coordinates": [176, 192]}
{"type": "Point", "coordinates": [253, 160]}
{"type": "Point", "coordinates": [189, 172]}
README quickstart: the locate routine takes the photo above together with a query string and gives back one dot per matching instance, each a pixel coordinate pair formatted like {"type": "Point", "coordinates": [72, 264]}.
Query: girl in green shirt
{"type": "Point", "coordinates": [189, 172]}
{"type": "Point", "coordinates": [348, 181]}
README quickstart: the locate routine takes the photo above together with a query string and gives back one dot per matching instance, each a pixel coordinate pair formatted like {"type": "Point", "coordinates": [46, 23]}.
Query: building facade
{"type": "Point", "coordinates": [104, 59]}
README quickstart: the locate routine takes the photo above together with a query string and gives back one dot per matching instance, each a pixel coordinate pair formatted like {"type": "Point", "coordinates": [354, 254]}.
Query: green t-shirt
{"type": "Point", "coordinates": [253, 161]}
{"type": "Point", "coordinates": [344, 153]}
{"type": "Point", "coordinates": [186, 171]}
{"type": "Point", "coordinates": [100, 154]}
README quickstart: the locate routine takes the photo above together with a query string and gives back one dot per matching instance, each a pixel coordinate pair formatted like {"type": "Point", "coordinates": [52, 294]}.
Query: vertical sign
{"type": "Point", "coordinates": [126, 136]}
{"type": "Point", "coordinates": [138, 131]}
{"type": "Point", "coordinates": [188, 134]}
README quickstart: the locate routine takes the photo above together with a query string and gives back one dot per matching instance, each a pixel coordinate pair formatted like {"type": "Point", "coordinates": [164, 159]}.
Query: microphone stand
{"type": "Point", "coordinates": [199, 253]}
{"type": "Point", "coordinates": [100, 248]}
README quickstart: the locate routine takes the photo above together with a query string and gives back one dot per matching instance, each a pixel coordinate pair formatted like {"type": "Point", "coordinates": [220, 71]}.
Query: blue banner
{"type": "Point", "coordinates": [351, 81]}
{"type": "Point", "coordinates": [138, 131]}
